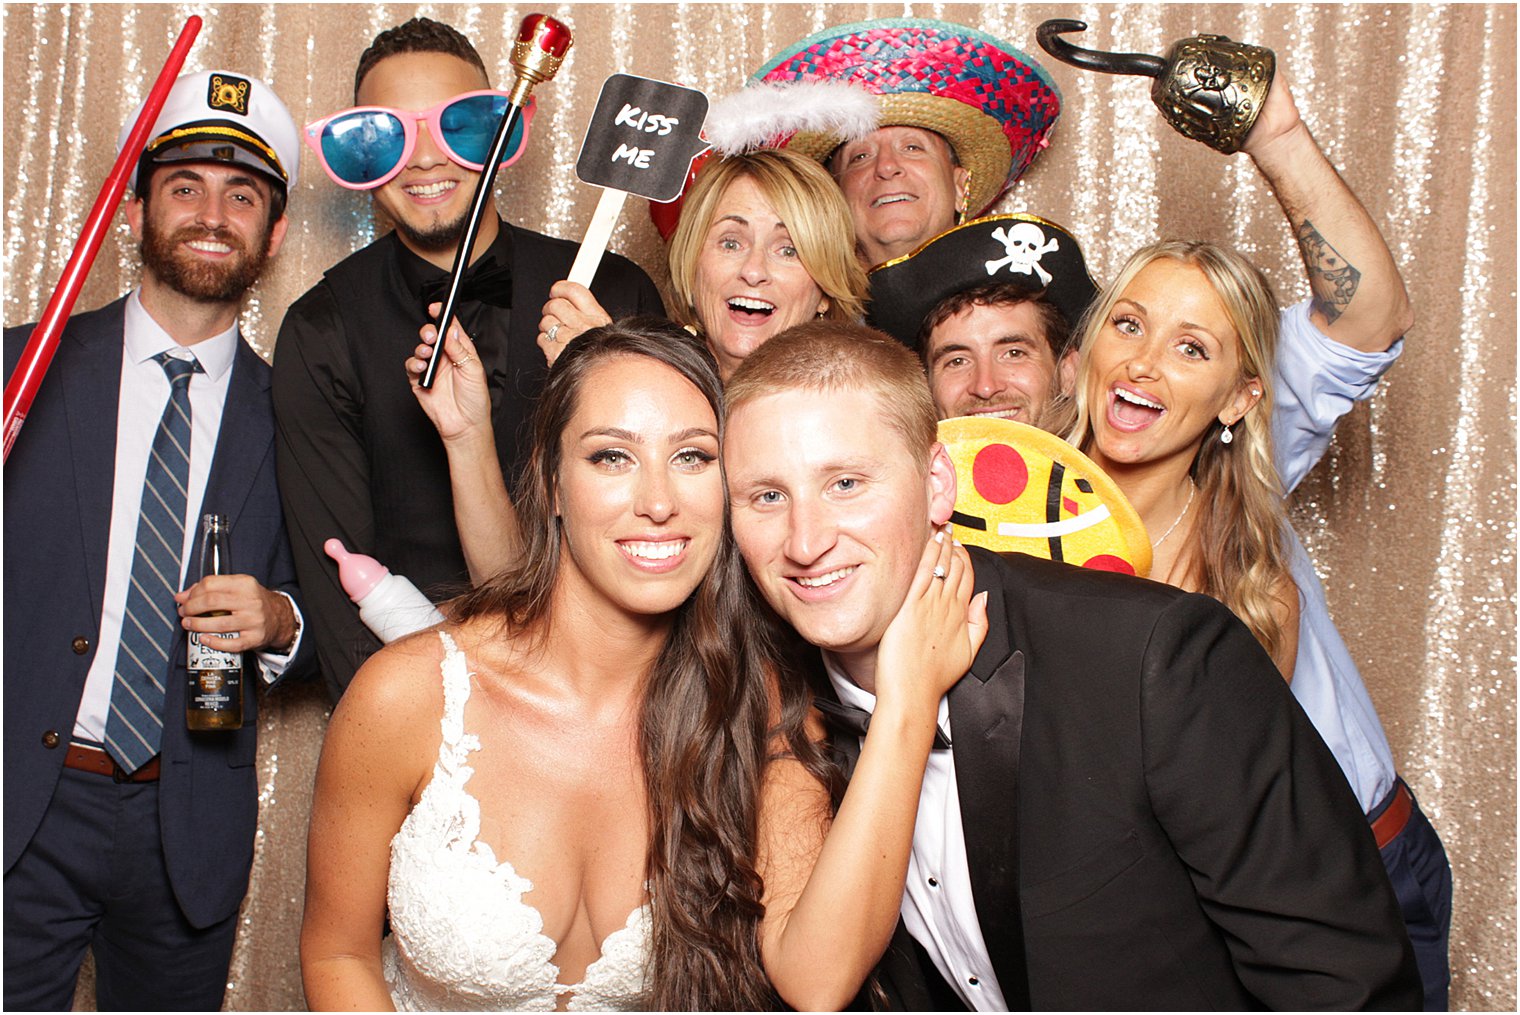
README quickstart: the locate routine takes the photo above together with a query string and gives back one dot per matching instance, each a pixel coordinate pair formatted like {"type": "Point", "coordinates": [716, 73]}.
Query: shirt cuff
{"type": "Point", "coordinates": [272, 664]}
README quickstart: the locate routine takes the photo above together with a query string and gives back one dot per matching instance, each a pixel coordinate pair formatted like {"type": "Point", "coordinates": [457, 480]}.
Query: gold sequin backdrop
{"type": "Point", "coordinates": [1410, 517]}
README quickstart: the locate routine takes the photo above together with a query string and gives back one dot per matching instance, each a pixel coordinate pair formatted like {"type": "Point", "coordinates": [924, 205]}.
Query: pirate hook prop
{"type": "Point", "coordinates": [1207, 87]}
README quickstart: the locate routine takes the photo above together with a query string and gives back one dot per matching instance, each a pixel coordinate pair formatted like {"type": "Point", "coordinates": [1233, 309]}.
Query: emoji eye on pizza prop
{"type": "Point", "coordinates": [1023, 490]}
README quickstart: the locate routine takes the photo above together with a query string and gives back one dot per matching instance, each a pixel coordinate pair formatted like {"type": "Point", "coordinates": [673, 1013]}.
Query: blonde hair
{"type": "Point", "coordinates": [805, 197]}
{"type": "Point", "coordinates": [831, 356]}
{"type": "Point", "coordinates": [1242, 518]}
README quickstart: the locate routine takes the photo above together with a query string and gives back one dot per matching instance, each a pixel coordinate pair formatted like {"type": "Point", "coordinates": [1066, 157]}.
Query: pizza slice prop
{"type": "Point", "coordinates": [1022, 490]}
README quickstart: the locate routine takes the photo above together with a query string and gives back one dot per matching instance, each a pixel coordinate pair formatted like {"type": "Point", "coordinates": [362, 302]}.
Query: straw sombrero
{"type": "Point", "coordinates": [994, 104]}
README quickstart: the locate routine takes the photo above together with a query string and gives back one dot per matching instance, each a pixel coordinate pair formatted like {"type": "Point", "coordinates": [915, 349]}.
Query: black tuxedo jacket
{"type": "Point", "coordinates": [58, 484]}
{"type": "Point", "coordinates": [358, 458]}
{"type": "Point", "coordinates": [1151, 821]}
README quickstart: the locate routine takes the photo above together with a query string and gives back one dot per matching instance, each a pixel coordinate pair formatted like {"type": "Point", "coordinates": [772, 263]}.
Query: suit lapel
{"type": "Point", "coordinates": [246, 436]}
{"type": "Point", "coordinates": [91, 388]}
{"type": "Point", "coordinates": [986, 723]}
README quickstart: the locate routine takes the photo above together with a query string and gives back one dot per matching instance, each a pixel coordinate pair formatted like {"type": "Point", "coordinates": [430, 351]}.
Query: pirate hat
{"type": "Point", "coordinates": [994, 104]}
{"type": "Point", "coordinates": [221, 116]}
{"type": "Point", "coordinates": [1025, 250]}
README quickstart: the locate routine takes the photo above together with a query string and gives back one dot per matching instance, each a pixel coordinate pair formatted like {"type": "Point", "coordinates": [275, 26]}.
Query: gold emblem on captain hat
{"type": "Point", "coordinates": [228, 93]}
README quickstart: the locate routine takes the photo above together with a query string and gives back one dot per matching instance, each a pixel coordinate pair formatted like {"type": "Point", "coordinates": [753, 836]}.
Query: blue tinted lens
{"type": "Point", "coordinates": [363, 147]}
{"type": "Point", "coordinates": [470, 124]}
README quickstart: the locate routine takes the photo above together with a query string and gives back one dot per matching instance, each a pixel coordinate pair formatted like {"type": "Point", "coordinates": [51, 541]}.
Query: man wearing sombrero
{"type": "Point", "coordinates": [963, 115]}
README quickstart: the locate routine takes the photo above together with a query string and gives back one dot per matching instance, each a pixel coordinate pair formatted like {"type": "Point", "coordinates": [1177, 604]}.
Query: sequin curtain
{"type": "Point", "coordinates": [1411, 516]}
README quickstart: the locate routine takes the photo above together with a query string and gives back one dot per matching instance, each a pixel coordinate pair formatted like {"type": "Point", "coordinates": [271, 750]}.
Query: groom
{"type": "Point", "coordinates": [1133, 812]}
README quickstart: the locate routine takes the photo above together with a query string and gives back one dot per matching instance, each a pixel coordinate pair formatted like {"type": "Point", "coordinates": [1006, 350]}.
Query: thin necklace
{"type": "Point", "coordinates": [1192, 489]}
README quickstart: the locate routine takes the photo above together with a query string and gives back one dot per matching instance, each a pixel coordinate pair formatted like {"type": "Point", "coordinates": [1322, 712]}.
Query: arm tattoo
{"type": "Point", "coordinates": [1331, 278]}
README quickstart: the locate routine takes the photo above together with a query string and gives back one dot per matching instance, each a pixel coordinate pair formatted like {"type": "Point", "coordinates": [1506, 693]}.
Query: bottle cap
{"type": "Point", "coordinates": [358, 573]}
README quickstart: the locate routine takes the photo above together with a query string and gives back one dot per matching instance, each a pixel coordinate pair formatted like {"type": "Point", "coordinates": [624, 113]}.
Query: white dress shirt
{"type": "Point", "coordinates": [938, 908]}
{"type": "Point", "coordinates": [144, 393]}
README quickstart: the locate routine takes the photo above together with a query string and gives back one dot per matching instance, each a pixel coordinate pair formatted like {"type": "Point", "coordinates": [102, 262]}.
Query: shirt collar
{"type": "Point", "coordinates": [145, 339]}
{"type": "Point", "coordinates": [851, 693]}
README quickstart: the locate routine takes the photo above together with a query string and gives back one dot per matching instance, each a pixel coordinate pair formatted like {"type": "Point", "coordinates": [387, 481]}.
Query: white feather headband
{"type": "Point", "coordinates": [766, 115]}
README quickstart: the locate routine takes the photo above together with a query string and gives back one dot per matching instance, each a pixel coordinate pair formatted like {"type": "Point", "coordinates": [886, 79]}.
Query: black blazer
{"type": "Point", "coordinates": [1151, 821]}
{"type": "Point", "coordinates": [57, 518]}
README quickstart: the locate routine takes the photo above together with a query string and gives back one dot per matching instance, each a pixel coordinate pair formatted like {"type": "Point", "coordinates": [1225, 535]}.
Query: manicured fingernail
{"type": "Point", "coordinates": [939, 536]}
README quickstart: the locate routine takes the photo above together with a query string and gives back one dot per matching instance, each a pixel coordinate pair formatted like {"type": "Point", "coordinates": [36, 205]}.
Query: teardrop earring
{"type": "Point", "coordinates": [1225, 435]}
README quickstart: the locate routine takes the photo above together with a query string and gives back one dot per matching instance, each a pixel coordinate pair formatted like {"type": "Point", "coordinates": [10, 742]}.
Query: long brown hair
{"type": "Point", "coordinates": [1242, 519]}
{"type": "Point", "coordinates": [704, 723]}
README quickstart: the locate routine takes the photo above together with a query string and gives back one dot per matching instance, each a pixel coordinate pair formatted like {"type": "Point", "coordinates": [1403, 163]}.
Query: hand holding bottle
{"type": "Point", "coordinates": [234, 613]}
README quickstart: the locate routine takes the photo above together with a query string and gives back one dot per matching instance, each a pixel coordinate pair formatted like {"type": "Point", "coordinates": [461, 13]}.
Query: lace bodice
{"type": "Point", "coordinates": [462, 938]}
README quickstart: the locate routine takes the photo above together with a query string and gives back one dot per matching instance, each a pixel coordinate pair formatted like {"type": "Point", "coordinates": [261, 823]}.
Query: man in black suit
{"type": "Point", "coordinates": [1132, 812]}
{"type": "Point", "coordinates": [358, 458]}
{"type": "Point", "coordinates": [125, 832]}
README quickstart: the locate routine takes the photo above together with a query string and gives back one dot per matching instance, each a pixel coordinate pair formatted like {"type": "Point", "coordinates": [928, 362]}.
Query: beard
{"type": "Point", "coordinates": [201, 280]}
{"type": "Point", "coordinates": [439, 236]}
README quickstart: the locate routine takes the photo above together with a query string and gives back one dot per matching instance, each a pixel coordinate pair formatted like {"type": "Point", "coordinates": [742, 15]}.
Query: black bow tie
{"type": "Point", "coordinates": [485, 282]}
{"type": "Point", "coordinates": [851, 719]}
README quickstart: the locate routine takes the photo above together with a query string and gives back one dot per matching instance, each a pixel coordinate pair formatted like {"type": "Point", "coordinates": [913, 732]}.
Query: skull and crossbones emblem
{"type": "Point", "coordinates": [1023, 246]}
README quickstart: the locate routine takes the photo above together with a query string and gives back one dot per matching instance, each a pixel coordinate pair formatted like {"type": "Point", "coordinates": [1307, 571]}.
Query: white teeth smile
{"type": "Point", "coordinates": [1000, 413]}
{"type": "Point", "coordinates": [890, 199]}
{"type": "Point", "coordinates": [431, 189]}
{"type": "Point", "coordinates": [748, 303]}
{"type": "Point", "coordinates": [655, 551]}
{"type": "Point", "coordinates": [209, 246]}
{"type": "Point", "coordinates": [1134, 399]}
{"type": "Point", "coordinates": [824, 580]}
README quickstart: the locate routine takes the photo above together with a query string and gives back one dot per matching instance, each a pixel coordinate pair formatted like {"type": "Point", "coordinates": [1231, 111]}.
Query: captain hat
{"type": "Point", "coordinates": [221, 116]}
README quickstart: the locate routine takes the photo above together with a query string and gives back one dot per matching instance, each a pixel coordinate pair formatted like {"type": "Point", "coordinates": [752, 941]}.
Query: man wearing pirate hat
{"type": "Point", "coordinates": [124, 832]}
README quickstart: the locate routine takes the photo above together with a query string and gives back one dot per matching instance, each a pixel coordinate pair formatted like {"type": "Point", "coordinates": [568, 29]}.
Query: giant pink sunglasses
{"type": "Point", "coordinates": [365, 147]}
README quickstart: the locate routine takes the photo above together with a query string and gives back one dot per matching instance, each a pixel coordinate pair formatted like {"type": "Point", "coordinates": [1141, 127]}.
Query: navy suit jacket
{"type": "Point", "coordinates": [57, 517]}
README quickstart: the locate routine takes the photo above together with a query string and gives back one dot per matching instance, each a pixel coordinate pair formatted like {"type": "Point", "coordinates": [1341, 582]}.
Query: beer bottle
{"type": "Point", "coordinates": [214, 697]}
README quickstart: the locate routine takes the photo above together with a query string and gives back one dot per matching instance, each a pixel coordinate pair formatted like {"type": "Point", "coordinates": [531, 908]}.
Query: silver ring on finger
{"type": "Point", "coordinates": [552, 332]}
{"type": "Point", "coordinates": [939, 572]}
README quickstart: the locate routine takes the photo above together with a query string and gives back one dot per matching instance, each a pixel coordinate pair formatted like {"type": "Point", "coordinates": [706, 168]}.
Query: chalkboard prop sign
{"type": "Point", "coordinates": [642, 139]}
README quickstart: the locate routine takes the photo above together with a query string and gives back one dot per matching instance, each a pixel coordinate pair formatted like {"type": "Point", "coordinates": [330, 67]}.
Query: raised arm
{"type": "Point", "coordinates": [1358, 295]}
{"type": "Point", "coordinates": [832, 893]}
{"type": "Point", "coordinates": [374, 761]}
{"type": "Point", "coordinates": [324, 476]}
{"type": "Point", "coordinates": [459, 405]}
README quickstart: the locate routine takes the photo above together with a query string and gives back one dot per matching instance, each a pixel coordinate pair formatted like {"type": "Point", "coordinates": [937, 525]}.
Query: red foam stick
{"type": "Point", "coordinates": [24, 381]}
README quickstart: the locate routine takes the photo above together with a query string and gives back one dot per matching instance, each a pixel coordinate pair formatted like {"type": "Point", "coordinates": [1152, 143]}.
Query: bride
{"type": "Point", "coordinates": [609, 800]}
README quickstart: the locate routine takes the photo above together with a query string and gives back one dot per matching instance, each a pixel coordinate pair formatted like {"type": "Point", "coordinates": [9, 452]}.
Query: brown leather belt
{"type": "Point", "coordinates": [93, 759]}
{"type": "Point", "coordinates": [1387, 826]}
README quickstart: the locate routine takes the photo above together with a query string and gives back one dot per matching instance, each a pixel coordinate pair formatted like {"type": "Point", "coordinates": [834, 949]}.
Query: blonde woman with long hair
{"type": "Point", "coordinates": [1174, 400]}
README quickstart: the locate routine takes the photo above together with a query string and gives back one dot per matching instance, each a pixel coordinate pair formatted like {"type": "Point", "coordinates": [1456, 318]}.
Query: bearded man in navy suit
{"type": "Point", "coordinates": [125, 832]}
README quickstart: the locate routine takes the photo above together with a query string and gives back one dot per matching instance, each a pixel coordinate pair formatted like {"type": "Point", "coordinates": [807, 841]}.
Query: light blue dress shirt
{"type": "Point", "coordinates": [1318, 380]}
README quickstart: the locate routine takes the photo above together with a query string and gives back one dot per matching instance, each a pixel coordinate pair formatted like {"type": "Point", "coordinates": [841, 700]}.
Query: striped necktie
{"type": "Point", "coordinates": [135, 725]}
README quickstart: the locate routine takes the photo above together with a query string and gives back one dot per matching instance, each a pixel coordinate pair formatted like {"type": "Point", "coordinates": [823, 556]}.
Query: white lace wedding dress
{"type": "Point", "coordinates": [462, 938]}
